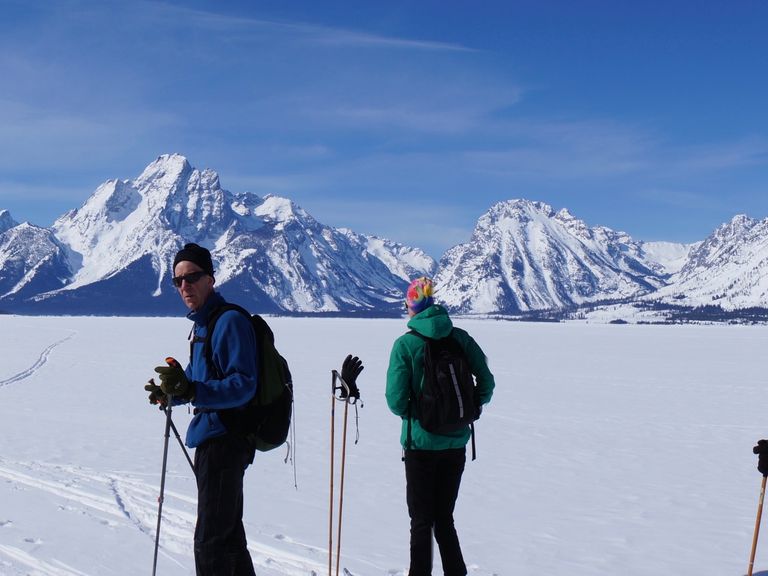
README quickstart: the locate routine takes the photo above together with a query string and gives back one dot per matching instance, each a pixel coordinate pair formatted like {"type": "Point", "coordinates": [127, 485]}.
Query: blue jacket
{"type": "Point", "coordinates": [234, 353]}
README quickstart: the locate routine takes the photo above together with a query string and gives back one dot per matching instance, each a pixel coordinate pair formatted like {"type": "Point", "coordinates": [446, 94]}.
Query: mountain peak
{"type": "Point", "coordinates": [519, 210]}
{"type": "Point", "coordinates": [737, 225]}
{"type": "Point", "coordinates": [6, 221]}
{"type": "Point", "coordinates": [565, 215]}
{"type": "Point", "coordinates": [167, 168]}
{"type": "Point", "coordinates": [523, 257]}
{"type": "Point", "coordinates": [519, 205]}
{"type": "Point", "coordinates": [279, 209]}
{"type": "Point", "coordinates": [269, 251]}
{"type": "Point", "coordinates": [114, 253]}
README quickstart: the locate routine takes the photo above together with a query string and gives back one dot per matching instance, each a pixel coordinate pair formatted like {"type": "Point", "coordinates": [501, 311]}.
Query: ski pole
{"type": "Point", "coordinates": [168, 423]}
{"type": "Point", "coordinates": [176, 433]}
{"type": "Point", "coordinates": [344, 396]}
{"type": "Point", "coordinates": [757, 527]}
{"type": "Point", "coordinates": [330, 505]}
{"type": "Point", "coordinates": [341, 483]}
{"type": "Point", "coordinates": [181, 442]}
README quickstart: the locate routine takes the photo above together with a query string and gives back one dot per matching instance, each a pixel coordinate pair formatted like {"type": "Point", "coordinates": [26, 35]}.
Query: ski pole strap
{"type": "Point", "coordinates": [472, 430]}
{"type": "Point", "coordinates": [357, 423]}
{"type": "Point", "coordinates": [408, 438]}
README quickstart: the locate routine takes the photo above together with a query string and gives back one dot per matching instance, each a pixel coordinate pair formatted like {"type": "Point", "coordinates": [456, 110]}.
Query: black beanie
{"type": "Point", "coordinates": [196, 254]}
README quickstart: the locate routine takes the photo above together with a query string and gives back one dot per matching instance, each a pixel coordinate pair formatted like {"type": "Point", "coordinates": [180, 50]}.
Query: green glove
{"type": "Point", "coordinates": [156, 394]}
{"type": "Point", "coordinates": [173, 380]}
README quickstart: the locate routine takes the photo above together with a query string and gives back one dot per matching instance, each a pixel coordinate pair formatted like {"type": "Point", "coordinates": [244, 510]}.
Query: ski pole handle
{"type": "Point", "coordinates": [173, 363]}
{"type": "Point", "coordinates": [347, 393]}
{"type": "Point", "coordinates": [341, 387]}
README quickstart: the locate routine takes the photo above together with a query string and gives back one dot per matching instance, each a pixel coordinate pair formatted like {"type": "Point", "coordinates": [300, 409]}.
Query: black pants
{"type": "Point", "coordinates": [220, 543]}
{"type": "Point", "coordinates": [433, 478]}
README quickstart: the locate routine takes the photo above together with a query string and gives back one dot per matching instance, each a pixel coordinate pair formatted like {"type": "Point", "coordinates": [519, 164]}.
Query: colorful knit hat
{"type": "Point", "coordinates": [419, 297]}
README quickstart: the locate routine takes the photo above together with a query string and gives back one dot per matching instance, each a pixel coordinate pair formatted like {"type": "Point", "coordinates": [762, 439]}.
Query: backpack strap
{"type": "Point", "coordinates": [213, 318]}
{"type": "Point", "coordinates": [411, 399]}
{"type": "Point", "coordinates": [232, 418]}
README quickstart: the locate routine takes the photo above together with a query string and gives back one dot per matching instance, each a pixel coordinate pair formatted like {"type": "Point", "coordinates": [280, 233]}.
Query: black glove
{"type": "Point", "coordinates": [350, 370]}
{"type": "Point", "coordinates": [762, 451]}
{"type": "Point", "coordinates": [156, 394]}
{"type": "Point", "coordinates": [173, 380]}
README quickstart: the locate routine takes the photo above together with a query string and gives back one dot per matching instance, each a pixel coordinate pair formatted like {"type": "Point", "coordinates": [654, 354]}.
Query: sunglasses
{"type": "Point", "coordinates": [188, 278]}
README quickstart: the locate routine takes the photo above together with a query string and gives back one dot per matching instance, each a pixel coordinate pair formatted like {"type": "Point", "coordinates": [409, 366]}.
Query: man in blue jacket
{"type": "Point", "coordinates": [218, 394]}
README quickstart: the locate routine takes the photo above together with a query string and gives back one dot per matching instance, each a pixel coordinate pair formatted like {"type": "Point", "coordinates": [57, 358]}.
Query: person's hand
{"type": "Point", "coordinates": [173, 380]}
{"type": "Point", "coordinates": [156, 394]}
{"type": "Point", "coordinates": [350, 370]}
{"type": "Point", "coordinates": [762, 461]}
{"type": "Point", "coordinates": [478, 403]}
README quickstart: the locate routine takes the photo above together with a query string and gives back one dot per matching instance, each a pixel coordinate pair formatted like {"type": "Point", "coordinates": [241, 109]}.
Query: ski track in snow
{"type": "Point", "coordinates": [111, 498]}
{"type": "Point", "coordinates": [39, 363]}
{"type": "Point", "coordinates": [118, 498]}
{"type": "Point", "coordinates": [38, 567]}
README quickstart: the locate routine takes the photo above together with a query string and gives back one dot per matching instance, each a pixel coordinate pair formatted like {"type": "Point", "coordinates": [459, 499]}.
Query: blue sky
{"type": "Point", "coordinates": [406, 120]}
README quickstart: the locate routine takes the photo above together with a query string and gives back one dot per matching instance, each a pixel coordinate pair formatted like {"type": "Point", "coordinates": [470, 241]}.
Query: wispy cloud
{"type": "Point", "coordinates": [751, 151]}
{"type": "Point", "coordinates": [46, 138]}
{"type": "Point", "coordinates": [403, 116]}
{"type": "Point", "coordinates": [328, 35]}
{"type": "Point", "coordinates": [566, 150]}
{"type": "Point", "coordinates": [12, 191]}
{"type": "Point", "coordinates": [675, 197]}
{"type": "Point", "coordinates": [609, 149]}
{"type": "Point", "coordinates": [348, 38]}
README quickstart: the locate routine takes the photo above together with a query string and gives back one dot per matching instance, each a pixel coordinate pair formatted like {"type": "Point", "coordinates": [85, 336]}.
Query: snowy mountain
{"type": "Point", "coordinates": [113, 256]}
{"type": "Point", "coordinates": [524, 256]}
{"type": "Point", "coordinates": [31, 260]}
{"type": "Point", "coordinates": [728, 269]}
{"type": "Point", "coordinates": [669, 257]}
{"type": "Point", "coordinates": [269, 254]}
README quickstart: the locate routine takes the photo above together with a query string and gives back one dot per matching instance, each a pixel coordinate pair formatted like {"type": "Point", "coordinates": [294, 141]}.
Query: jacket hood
{"type": "Point", "coordinates": [433, 322]}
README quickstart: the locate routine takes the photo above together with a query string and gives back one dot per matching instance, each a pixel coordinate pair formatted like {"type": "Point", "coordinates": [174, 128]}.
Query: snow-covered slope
{"type": "Point", "coordinates": [524, 256]}
{"type": "Point", "coordinates": [669, 257]}
{"type": "Point", "coordinates": [729, 268]}
{"type": "Point", "coordinates": [31, 261]}
{"type": "Point", "coordinates": [125, 220]}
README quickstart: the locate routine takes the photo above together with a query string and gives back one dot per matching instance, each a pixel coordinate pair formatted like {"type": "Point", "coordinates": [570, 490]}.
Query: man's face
{"type": "Point", "coordinates": [194, 294]}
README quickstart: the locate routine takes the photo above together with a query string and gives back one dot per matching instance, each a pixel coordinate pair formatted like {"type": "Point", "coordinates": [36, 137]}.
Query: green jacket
{"type": "Point", "coordinates": [406, 372]}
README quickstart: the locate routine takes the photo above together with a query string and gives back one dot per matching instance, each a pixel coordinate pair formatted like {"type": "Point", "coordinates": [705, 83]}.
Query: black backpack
{"type": "Point", "coordinates": [266, 419]}
{"type": "Point", "coordinates": [448, 400]}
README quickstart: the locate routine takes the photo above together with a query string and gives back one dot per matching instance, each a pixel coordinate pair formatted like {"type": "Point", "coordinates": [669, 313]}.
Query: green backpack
{"type": "Point", "coordinates": [266, 419]}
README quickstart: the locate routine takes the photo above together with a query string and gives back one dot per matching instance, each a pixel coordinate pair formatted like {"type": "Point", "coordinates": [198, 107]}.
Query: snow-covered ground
{"type": "Point", "coordinates": [607, 450]}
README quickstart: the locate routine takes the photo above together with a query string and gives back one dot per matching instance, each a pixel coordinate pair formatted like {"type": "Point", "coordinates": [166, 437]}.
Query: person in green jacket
{"type": "Point", "coordinates": [434, 463]}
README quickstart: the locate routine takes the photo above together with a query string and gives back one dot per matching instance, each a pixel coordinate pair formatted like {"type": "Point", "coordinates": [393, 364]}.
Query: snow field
{"type": "Point", "coordinates": [607, 449]}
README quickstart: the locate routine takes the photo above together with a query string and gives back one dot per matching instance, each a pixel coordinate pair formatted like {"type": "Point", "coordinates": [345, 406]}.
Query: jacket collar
{"type": "Point", "coordinates": [200, 316]}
